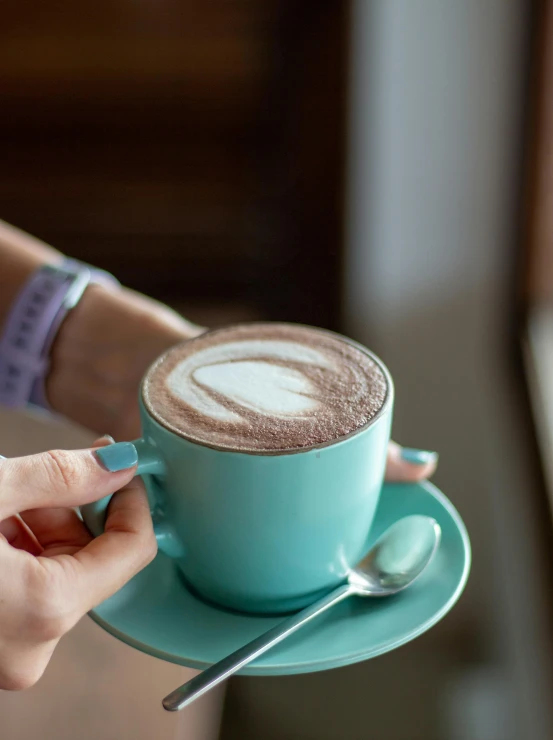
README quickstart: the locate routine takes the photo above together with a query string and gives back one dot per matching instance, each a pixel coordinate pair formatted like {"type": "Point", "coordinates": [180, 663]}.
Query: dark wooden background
{"type": "Point", "coordinates": [196, 150]}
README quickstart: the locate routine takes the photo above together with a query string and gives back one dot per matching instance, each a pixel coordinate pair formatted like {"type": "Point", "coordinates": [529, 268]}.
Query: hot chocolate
{"type": "Point", "coordinates": [265, 388]}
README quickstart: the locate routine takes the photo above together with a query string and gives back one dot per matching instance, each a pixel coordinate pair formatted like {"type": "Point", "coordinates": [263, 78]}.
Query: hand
{"type": "Point", "coordinates": [105, 346]}
{"type": "Point", "coordinates": [52, 571]}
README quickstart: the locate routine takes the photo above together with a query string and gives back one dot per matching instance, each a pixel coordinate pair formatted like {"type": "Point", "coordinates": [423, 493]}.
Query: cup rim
{"type": "Point", "coordinates": [383, 410]}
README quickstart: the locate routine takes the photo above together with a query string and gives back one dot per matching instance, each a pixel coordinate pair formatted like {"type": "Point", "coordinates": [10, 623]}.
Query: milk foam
{"type": "Point", "coordinates": [265, 387]}
{"type": "Point", "coordinates": [242, 373]}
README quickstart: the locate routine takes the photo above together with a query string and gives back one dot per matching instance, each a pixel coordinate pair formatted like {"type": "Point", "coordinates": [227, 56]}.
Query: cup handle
{"type": "Point", "coordinates": [150, 463]}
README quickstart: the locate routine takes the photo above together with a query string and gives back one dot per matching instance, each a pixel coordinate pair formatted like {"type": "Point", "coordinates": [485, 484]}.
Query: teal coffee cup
{"type": "Point", "coordinates": [261, 532]}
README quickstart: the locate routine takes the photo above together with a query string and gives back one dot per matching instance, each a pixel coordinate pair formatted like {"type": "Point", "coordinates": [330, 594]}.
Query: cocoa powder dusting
{"type": "Point", "coordinates": [347, 395]}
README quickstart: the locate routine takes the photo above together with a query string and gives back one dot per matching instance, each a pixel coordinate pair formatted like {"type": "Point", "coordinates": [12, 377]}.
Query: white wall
{"type": "Point", "coordinates": [435, 151]}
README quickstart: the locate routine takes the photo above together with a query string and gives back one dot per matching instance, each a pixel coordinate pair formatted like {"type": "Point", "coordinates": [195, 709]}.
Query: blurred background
{"type": "Point", "coordinates": [379, 167]}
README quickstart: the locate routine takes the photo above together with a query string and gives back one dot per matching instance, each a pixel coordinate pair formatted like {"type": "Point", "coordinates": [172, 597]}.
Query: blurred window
{"type": "Point", "coordinates": [536, 275]}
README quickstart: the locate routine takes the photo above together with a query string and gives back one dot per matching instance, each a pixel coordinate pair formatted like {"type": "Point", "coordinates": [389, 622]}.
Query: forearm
{"type": "Point", "coordinates": [102, 351]}
{"type": "Point", "coordinates": [104, 345]}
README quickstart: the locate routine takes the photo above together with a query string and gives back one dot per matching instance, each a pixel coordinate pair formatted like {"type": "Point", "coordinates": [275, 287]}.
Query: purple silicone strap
{"type": "Point", "coordinates": [32, 325]}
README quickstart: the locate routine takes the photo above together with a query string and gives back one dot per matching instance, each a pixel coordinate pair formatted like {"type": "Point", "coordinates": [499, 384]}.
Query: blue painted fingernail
{"type": "Point", "coordinates": [418, 457]}
{"type": "Point", "coordinates": [119, 456]}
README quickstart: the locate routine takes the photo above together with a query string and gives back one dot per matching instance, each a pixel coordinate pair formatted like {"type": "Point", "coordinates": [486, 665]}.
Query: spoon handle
{"type": "Point", "coordinates": [225, 668]}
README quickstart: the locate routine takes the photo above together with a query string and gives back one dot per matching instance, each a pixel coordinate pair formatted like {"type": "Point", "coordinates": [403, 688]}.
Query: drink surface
{"type": "Point", "coordinates": [265, 388]}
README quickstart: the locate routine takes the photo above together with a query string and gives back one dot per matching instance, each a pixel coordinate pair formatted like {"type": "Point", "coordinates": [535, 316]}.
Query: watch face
{"type": "Point", "coordinates": [96, 275]}
{"type": "Point", "coordinates": [52, 277]}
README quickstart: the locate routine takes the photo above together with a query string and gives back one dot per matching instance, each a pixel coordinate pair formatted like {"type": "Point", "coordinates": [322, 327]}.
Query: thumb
{"type": "Point", "coordinates": [57, 478]}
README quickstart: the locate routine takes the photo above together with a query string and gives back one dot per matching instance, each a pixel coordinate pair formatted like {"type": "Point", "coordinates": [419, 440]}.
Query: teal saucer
{"type": "Point", "coordinates": [155, 612]}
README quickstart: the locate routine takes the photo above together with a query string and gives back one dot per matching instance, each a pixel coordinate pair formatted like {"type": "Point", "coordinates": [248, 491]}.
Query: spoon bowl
{"type": "Point", "coordinates": [397, 558]}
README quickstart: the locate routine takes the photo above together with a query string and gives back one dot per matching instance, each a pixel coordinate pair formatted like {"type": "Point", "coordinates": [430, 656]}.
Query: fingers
{"type": "Point", "coordinates": [42, 597]}
{"type": "Point", "coordinates": [57, 478]}
{"type": "Point", "coordinates": [58, 531]}
{"type": "Point", "coordinates": [127, 545]}
{"type": "Point", "coordinates": [48, 531]}
{"type": "Point", "coordinates": [18, 535]}
{"type": "Point", "coordinates": [409, 465]}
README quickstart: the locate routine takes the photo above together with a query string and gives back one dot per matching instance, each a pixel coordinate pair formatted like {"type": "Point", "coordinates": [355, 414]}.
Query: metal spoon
{"type": "Point", "coordinates": [397, 559]}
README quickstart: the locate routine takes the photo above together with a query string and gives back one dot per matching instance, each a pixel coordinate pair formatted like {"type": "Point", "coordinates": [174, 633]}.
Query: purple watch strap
{"type": "Point", "coordinates": [32, 325]}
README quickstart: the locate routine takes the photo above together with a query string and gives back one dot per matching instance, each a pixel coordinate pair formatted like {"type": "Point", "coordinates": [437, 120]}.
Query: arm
{"type": "Point", "coordinates": [104, 345]}
{"type": "Point", "coordinates": [107, 342]}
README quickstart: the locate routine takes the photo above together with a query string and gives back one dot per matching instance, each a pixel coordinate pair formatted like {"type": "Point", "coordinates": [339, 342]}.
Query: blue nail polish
{"type": "Point", "coordinates": [119, 456]}
{"type": "Point", "coordinates": [418, 457]}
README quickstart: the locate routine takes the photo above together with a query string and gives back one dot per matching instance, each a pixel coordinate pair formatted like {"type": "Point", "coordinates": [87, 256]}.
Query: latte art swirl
{"type": "Point", "coordinates": [259, 375]}
{"type": "Point", "coordinates": [265, 387]}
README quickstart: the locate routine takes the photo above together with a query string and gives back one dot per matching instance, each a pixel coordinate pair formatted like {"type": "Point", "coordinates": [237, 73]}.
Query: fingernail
{"type": "Point", "coordinates": [109, 438]}
{"type": "Point", "coordinates": [418, 457]}
{"type": "Point", "coordinates": [118, 456]}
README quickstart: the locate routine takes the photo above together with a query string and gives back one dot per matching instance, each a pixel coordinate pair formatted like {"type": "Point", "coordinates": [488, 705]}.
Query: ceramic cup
{"type": "Point", "coordinates": [256, 532]}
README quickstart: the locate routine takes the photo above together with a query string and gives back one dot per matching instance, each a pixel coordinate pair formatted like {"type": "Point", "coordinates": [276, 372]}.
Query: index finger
{"type": "Point", "coordinates": [57, 478]}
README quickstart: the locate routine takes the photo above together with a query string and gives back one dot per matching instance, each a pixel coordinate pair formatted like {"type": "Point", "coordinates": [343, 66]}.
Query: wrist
{"type": "Point", "coordinates": [102, 350]}
{"type": "Point", "coordinates": [31, 327]}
